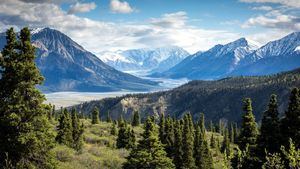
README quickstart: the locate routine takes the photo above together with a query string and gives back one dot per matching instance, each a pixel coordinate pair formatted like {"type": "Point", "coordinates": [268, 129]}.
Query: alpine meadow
{"type": "Point", "coordinates": [125, 84]}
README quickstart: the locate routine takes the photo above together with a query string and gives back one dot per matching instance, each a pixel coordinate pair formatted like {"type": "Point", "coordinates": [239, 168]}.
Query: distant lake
{"type": "Point", "coordinates": [64, 99]}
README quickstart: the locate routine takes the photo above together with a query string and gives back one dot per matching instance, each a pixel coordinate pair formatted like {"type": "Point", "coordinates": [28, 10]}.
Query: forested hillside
{"type": "Point", "coordinates": [219, 99]}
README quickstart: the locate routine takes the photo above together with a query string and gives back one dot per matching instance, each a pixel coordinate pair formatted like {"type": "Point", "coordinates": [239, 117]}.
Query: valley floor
{"type": "Point", "coordinates": [65, 99]}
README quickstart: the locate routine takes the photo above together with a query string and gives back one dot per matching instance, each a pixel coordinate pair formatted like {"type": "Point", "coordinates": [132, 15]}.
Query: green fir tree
{"type": "Point", "coordinates": [26, 136]}
{"type": "Point", "coordinates": [149, 153]}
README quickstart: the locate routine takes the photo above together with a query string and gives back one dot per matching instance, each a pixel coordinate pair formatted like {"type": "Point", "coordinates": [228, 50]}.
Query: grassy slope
{"type": "Point", "coordinates": [99, 150]}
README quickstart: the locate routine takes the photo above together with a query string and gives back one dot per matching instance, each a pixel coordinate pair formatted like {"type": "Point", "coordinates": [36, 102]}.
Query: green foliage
{"type": "Point", "coordinates": [126, 136]}
{"type": "Point", "coordinates": [290, 124]}
{"type": "Point", "coordinates": [26, 137]}
{"type": "Point", "coordinates": [77, 132]}
{"type": "Point", "coordinates": [95, 116]}
{"type": "Point", "coordinates": [64, 129]}
{"type": "Point", "coordinates": [162, 133]}
{"type": "Point", "coordinates": [149, 152]}
{"type": "Point", "coordinates": [292, 155]}
{"type": "Point", "coordinates": [188, 143]}
{"type": "Point", "coordinates": [169, 137]}
{"type": "Point", "coordinates": [226, 143]}
{"type": "Point", "coordinates": [202, 153]}
{"type": "Point", "coordinates": [178, 147]}
{"type": "Point", "coordinates": [136, 119]}
{"type": "Point", "coordinates": [249, 130]}
{"type": "Point", "coordinates": [114, 130]}
{"type": "Point", "coordinates": [269, 138]}
{"type": "Point", "coordinates": [273, 161]}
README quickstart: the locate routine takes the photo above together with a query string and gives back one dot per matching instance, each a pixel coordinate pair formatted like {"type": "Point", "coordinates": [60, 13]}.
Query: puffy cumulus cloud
{"type": "Point", "coordinates": [290, 3]}
{"type": "Point", "coordinates": [97, 36]}
{"type": "Point", "coordinates": [274, 19]}
{"type": "Point", "coordinates": [117, 6]}
{"type": "Point", "coordinates": [82, 7]}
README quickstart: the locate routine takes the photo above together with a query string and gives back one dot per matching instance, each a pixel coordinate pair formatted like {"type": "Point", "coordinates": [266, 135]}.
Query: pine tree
{"type": "Point", "coordinates": [202, 123]}
{"type": "Point", "coordinates": [290, 124]}
{"type": "Point", "coordinates": [95, 116]}
{"type": "Point", "coordinates": [231, 133]}
{"type": "Point", "coordinates": [136, 119]}
{"type": "Point", "coordinates": [162, 123]}
{"type": "Point", "coordinates": [77, 131]}
{"type": "Point", "coordinates": [26, 136]}
{"type": "Point", "coordinates": [178, 149]}
{"type": "Point", "coordinates": [123, 136]}
{"type": "Point", "coordinates": [269, 132]}
{"type": "Point", "coordinates": [188, 144]}
{"type": "Point", "coordinates": [169, 137]}
{"type": "Point", "coordinates": [108, 118]}
{"type": "Point", "coordinates": [213, 143]}
{"type": "Point", "coordinates": [64, 129]}
{"type": "Point", "coordinates": [249, 131]}
{"type": "Point", "coordinates": [113, 129]}
{"type": "Point", "coordinates": [149, 153]}
{"type": "Point", "coordinates": [236, 133]}
{"type": "Point", "coordinates": [132, 139]}
{"type": "Point", "coordinates": [226, 143]}
{"type": "Point", "coordinates": [203, 157]}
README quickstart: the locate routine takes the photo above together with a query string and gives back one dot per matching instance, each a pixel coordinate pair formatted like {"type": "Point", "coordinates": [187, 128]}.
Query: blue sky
{"type": "Point", "coordinates": [101, 25]}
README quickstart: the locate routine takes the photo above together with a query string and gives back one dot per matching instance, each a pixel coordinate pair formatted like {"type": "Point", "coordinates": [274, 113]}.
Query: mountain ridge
{"type": "Point", "coordinates": [239, 57]}
{"type": "Point", "coordinates": [67, 66]}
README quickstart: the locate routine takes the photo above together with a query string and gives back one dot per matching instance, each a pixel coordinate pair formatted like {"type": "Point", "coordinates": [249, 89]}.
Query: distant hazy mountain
{"type": "Point", "coordinates": [240, 58]}
{"type": "Point", "coordinates": [152, 60]}
{"type": "Point", "coordinates": [67, 66]}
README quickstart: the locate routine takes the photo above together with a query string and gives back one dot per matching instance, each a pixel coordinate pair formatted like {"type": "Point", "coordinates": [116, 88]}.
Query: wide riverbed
{"type": "Point", "coordinates": [64, 99]}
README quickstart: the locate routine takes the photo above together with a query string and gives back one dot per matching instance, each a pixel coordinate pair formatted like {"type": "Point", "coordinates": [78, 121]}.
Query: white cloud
{"type": "Point", "coordinates": [174, 20]}
{"type": "Point", "coordinates": [274, 19]}
{"type": "Point", "coordinates": [263, 8]}
{"type": "Point", "coordinates": [290, 3]}
{"type": "Point", "coordinates": [117, 6]}
{"type": "Point", "coordinates": [82, 7]}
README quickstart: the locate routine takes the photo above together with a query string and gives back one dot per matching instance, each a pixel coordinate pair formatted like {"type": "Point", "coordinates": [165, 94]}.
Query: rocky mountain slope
{"type": "Point", "coordinates": [67, 66]}
{"type": "Point", "coordinates": [240, 58]}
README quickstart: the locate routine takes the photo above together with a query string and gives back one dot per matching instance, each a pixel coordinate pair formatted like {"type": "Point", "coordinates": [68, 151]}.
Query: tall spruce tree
{"type": "Point", "coordinates": [178, 149]}
{"type": "Point", "coordinates": [162, 123]}
{"type": "Point", "coordinates": [269, 138]}
{"type": "Point", "coordinates": [26, 136]}
{"type": "Point", "coordinates": [95, 115]}
{"type": "Point", "coordinates": [249, 130]}
{"type": "Point", "coordinates": [290, 124]}
{"type": "Point", "coordinates": [202, 123]}
{"type": "Point", "coordinates": [77, 131]}
{"type": "Point", "coordinates": [64, 129]}
{"type": "Point", "coordinates": [136, 119]}
{"type": "Point", "coordinates": [202, 153]}
{"type": "Point", "coordinates": [226, 143]}
{"type": "Point", "coordinates": [113, 129]}
{"type": "Point", "coordinates": [149, 153]}
{"type": "Point", "coordinates": [123, 135]}
{"type": "Point", "coordinates": [188, 143]}
{"type": "Point", "coordinates": [169, 137]}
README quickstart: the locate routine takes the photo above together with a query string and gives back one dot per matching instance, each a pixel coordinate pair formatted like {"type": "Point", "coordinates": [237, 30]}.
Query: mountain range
{"type": "Point", "coordinates": [147, 60]}
{"type": "Point", "coordinates": [239, 58]}
{"type": "Point", "coordinates": [67, 66]}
